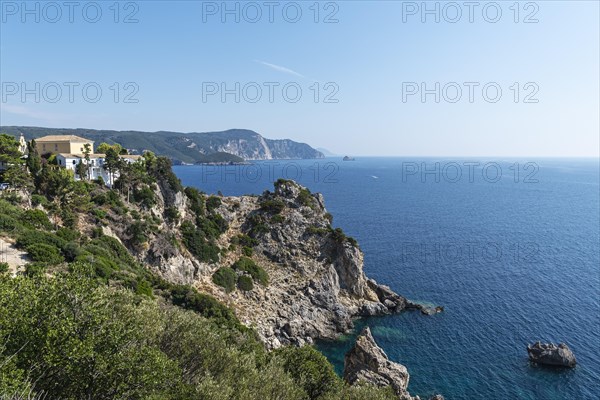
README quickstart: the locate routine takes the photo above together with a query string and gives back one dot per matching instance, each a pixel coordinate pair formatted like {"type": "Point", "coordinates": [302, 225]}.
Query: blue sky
{"type": "Point", "coordinates": [176, 59]}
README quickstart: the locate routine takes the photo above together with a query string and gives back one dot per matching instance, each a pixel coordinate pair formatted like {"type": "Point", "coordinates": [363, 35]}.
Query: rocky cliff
{"type": "Point", "coordinates": [316, 284]}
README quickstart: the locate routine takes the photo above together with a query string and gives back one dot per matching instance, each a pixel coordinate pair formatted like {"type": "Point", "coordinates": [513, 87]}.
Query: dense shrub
{"type": "Point", "coordinates": [244, 240]}
{"type": "Point", "coordinates": [212, 203]}
{"type": "Point", "coordinates": [272, 206]}
{"type": "Point", "coordinates": [195, 241]}
{"type": "Point", "coordinates": [245, 283]}
{"type": "Point", "coordinates": [306, 198]}
{"type": "Point", "coordinates": [197, 203]}
{"type": "Point", "coordinates": [68, 234]}
{"type": "Point", "coordinates": [37, 200]}
{"type": "Point", "coordinates": [247, 251]}
{"type": "Point", "coordinates": [246, 264]}
{"type": "Point", "coordinates": [256, 225]}
{"type": "Point", "coordinates": [226, 278]}
{"type": "Point", "coordinates": [171, 214]}
{"type": "Point", "coordinates": [38, 237]}
{"type": "Point", "coordinates": [311, 370]}
{"type": "Point", "coordinates": [3, 267]}
{"type": "Point", "coordinates": [144, 196]}
{"type": "Point", "coordinates": [45, 253]}
{"type": "Point", "coordinates": [36, 219]}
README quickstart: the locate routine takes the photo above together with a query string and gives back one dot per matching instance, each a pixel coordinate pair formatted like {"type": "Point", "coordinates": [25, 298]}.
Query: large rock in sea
{"type": "Point", "coordinates": [368, 363]}
{"type": "Point", "coordinates": [551, 354]}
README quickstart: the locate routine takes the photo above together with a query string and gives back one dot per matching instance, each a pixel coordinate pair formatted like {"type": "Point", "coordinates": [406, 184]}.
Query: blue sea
{"type": "Point", "coordinates": [510, 248]}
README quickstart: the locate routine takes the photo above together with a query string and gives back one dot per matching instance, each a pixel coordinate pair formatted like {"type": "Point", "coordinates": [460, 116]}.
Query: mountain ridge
{"type": "Point", "coordinates": [232, 145]}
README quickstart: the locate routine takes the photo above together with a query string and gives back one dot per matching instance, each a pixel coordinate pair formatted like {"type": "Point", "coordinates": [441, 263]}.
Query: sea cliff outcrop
{"type": "Point", "coordinates": [317, 284]}
{"type": "Point", "coordinates": [551, 354]}
{"type": "Point", "coordinates": [366, 362]}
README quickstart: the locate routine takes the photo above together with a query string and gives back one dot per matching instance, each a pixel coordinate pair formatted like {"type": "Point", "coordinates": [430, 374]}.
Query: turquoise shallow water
{"type": "Point", "coordinates": [513, 259]}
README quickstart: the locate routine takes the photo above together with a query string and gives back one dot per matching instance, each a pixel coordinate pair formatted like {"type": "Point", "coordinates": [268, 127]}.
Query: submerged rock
{"type": "Point", "coordinates": [551, 354]}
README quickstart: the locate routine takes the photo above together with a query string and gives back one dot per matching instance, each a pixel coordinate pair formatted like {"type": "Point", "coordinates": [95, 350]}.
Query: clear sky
{"type": "Point", "coordinates": [370, 60]}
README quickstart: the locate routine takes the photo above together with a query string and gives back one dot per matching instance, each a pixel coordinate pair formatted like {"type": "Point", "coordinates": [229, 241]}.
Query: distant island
{"type": "Point", "coordinates": [224, 147]}
{"type": "Point", "coordinates": [348, 158]}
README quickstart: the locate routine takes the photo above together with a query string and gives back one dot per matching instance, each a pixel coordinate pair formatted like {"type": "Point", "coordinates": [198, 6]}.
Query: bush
{"type": "Point", "coordinates": [244, 240]}
{"type": "Point", "coordinates": [35, 269]}
{"type": "Point", "coordinates": [145, 197]}
{"type": "Point", "coordinates": [246, 264]}
{"type": "Point", "coordinates": [8, 224]}
{"type": "Point", "coordinates": [311, 370]}
{"type": "Point", "coordinates": [45, 253]}
{"type": "Point", "coordinates": [171, 214]}
{"type": "Point", "coordinates": [272, 206]}
{"type": "Point", "coordinates": [34, 237]}
{"type": "Point", "coordinates": [3, 267]}
{"type": "Point", "coordinates": [245, 283]}
{"type": "Point", "coordinates": [195, 241]}
{"type": "Point", "coordinates": [36, 219]}
{"type": "Point", "coordinates": [306, 198]}
{"type": "Point", "coordinates": [212, 203]}
{"type": "Point", "coordinates": [37, 199]}
{"type": "Point", "coordinates": [226, 278]}
{"type": "Point", "coordinates": [68, 234]}
{"type": "Point", "coordinates": [247, 251]}
{"type": "Point", "coordinates": [197, 203]}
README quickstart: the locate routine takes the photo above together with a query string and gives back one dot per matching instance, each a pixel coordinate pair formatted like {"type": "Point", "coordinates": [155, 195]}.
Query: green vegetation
{"type": "Point", "coordinates": [248, 265]}
{"type": "Point", "coordinates": [88, 321]}
{"type": "Point", "coordinates": [272, 206]}
{"type": "Point", "coordinates": [244, 240]}
{"type": "Point", "coordinates": [245, 283]}
{"type": "Point", "coordinates": [306, 198]}
{"type": "Point", "coordinates": [226, 278]}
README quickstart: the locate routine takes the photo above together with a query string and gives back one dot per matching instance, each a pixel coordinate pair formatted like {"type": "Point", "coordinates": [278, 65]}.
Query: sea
{"type": "Point", "coordinates": [509, 247]}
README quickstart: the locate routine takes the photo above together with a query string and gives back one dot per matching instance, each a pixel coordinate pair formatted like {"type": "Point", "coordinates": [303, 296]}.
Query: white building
{"type": "Point", "coordinates": [96, 164]}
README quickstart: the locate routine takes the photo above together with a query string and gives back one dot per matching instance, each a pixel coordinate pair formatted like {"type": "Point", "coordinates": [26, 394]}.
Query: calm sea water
{"type": "Point", "coordinates": [509, 247]}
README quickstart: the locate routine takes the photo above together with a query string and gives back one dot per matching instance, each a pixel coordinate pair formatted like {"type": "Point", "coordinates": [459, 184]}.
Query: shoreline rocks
{"type": "Point", "coordinates": [366, 362]}
{"type": "Point", "coordinates": [551, 354]}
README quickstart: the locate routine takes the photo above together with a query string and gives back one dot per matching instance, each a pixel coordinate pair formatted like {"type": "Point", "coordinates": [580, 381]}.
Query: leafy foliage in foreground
{"type": "Point", "coordinates": [70, 337]}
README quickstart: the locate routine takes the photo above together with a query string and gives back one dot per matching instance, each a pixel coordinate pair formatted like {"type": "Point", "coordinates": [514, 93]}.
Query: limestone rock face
{"type": "Point", "coordinates": [316, 281]}
{"type": "Point", "coordinates": [368, 363]}
{"type": "Point", "coordinates": [317, 284]}
{"type": "Point", "coordinates": [551, 354]}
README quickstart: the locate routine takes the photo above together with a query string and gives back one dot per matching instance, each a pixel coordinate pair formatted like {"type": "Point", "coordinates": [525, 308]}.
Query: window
{"type": "Point", "coordinates": [74, 162]}
{"type": "Point", "coordinates": [55, 146]}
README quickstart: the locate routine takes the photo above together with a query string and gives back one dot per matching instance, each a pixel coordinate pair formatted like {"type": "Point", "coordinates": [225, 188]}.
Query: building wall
{"type": "Point", "coordinates": [62, 147]}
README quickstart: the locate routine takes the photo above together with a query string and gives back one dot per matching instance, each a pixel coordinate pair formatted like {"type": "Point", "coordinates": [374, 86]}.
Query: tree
{"type": "Point", "coordinates": [34, 161]}
{"type": "Point", "coordinates": [103, 148]}
{"type": "Point", "coordinates": [82, 169]}
{"type": "Point", "coordinates": [87, 149]}
{"type": "Point", "coordinates": [10, 157]}
{"type": "Point", "coordinates": [112, 163]}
